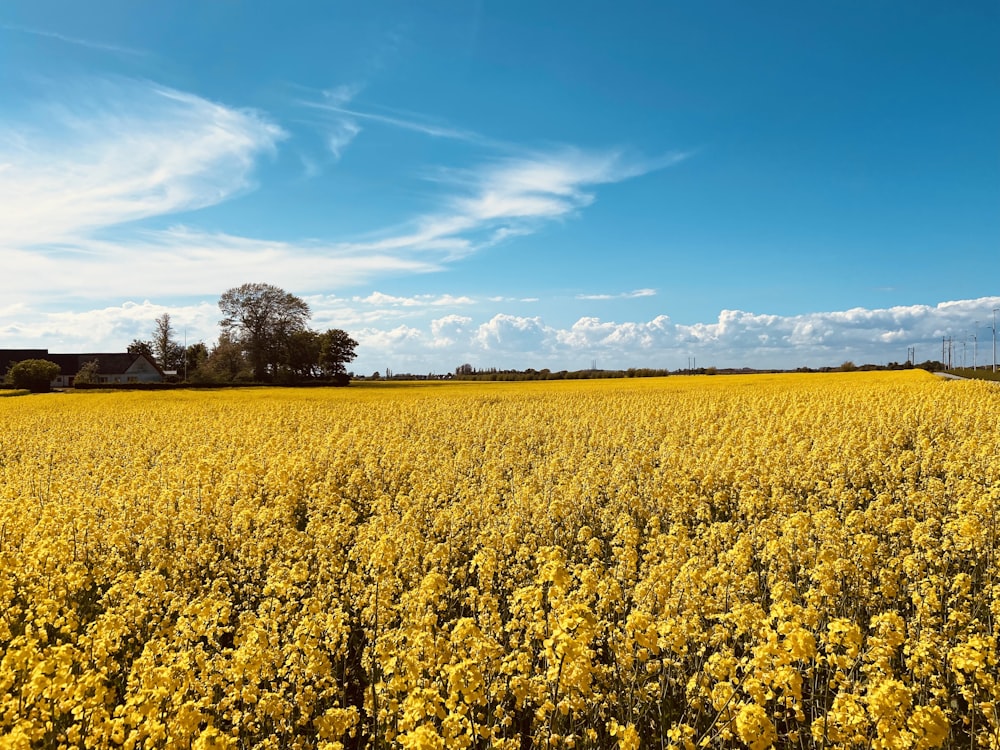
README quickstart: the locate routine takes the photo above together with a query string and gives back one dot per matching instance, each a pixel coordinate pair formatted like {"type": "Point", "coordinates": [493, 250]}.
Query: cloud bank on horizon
{"type": "Point", "coordinates": [540, 217]}
{"type": "Point", "coordinates": [412, 335]}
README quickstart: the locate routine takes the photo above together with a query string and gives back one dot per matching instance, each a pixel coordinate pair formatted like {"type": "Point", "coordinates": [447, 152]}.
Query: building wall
{"type": "Point", "coordinates": [142, 371]}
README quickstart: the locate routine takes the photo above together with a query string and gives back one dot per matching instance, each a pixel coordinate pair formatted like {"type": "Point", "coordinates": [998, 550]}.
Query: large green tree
{"type": "Point", "coordinates": [262, 318]}
{"type": "Point", "coordinates": [336, 349]}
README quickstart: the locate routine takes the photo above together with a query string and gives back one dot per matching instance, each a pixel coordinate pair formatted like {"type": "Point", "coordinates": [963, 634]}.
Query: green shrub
{"type": "Point", "coordinates": [35, 375]}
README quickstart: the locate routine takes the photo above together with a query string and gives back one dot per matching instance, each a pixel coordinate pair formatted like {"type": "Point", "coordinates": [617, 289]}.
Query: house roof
{"type": "Point", "coordinates": [107, 363]}
{"type": "Point", "coordinates": [10, 356]}
{"type": "Point", "coordinates": [70, 364]}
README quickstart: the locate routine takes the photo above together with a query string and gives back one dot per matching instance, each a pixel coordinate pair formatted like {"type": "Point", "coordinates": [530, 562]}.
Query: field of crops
{"type": "Point", "coordinates": [791, 561]}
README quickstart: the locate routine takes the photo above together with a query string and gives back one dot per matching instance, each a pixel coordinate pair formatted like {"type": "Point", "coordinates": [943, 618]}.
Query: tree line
{"type": "Point", "coordinates": [264, 339]}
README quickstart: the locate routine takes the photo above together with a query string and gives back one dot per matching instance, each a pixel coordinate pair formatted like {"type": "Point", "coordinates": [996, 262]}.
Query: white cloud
{"type": "Point", "coordinates": [420, 300]}
{"type": "Point", "coordinates": [511, 197]}
{"type": "Point", "coordinates": [342, 129]}
{"type": "Point", "coordinates": [106, 329]}
{"type": "Point", "coordinates": [186, 262]}
{"type": "Point", "coordinates": [135, 150]}
{"type": "Point", "coordinates": [88, 43]}
{"type": "Point", "coordinates": [735, 339]}
{"type": "Point", "coordinates": [340, 136]}
{"type": "Point", "coordinates": [450, 329]}
{"type": "Point", "coordinates": [339, 97]}
{"type": "Point", "coordinates": [412, 338]}
{"type": "Point", "coordinates": [624, 295]}
{"type": "Point", "coordinates": [512, 333]}
{"type": "Point", "coordinates": [74, 175]}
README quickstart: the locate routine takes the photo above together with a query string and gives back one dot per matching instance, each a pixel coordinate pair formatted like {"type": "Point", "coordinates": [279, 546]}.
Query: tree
{"type": "Point", "coordinates": [303, 353]}
{"type": "Point", "coordinates": [88, 373]}
{"type": "Point", "coordinates": [138, 346]}
{"type": "Point", "coordinates": [35, 375]}
{"type": "Point", "coordinates": [262, 318]}
{"type": "Point", "coordinates": [169, 354]}
{"type": "Point", "coordinates": [195, 357]}
{"type": "Point", "coordinates": [226, 362]}
{"type": "Point", "coordinates": [336, 349]}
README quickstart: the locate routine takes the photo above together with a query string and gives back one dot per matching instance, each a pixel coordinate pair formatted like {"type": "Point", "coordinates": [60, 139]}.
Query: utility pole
{"type": "Point", "coordinates": [995, 338]}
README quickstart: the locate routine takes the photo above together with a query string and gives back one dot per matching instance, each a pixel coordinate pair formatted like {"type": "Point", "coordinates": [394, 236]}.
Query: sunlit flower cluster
{"type": "Point", "coordinates": [688, 562]}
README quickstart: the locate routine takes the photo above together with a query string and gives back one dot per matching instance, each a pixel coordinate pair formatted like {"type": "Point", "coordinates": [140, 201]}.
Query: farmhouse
{"type": "Point", "coordinates": [111, 368]}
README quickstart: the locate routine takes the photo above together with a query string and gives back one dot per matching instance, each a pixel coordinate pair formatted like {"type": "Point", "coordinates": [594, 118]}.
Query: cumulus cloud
{"type": "Point", "coordinates": [449, 330]}
{"type": "Point", "coordinates": [734, 339]}
{"type": "Point", "coordinates": [513, 333]}
{"type": "Point", "coordinates": [105, 329]}
{"type": "Point", "coordinates": [417, 338]}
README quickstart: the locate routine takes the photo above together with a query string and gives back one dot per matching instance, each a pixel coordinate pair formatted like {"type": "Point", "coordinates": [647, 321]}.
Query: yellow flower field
{"type": "Point", "coordinates": [738, 561]}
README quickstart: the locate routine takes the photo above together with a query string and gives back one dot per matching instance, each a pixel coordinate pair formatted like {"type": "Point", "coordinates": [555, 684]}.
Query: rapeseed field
{"type": "Point", "coordinates": [789, 561]}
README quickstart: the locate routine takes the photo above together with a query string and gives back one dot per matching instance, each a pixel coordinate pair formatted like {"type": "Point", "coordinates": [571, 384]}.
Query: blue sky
{"type": "Point", "coordinates": [509, 184]}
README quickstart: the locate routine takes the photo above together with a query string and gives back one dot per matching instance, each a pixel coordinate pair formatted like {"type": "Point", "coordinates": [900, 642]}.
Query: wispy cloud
{"type": "Point", "coordinates": [188, 262]}
{"type": "Point", "coordinates": [136, 150]}
{"type": "Point", "coordinates": [624, 295]}
{"type": "Point", "coordinates": [343, 129]}
{"type": "Point", "coordinates": [88, 43]}
{"type": "Point", "coordinates": [340, 137]}
{"type": "Point", "coordinates": [420, 300]}
{"type": "Point", "coordinates": [335, 104]}
{"type": "Point", "coordinates": [76, 176]}
{"type": "Point", "coordinates": [513, 196]}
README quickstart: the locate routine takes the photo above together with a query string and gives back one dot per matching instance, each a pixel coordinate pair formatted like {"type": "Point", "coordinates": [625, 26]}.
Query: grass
{"type": "Point", "coordinates": [980, 373]}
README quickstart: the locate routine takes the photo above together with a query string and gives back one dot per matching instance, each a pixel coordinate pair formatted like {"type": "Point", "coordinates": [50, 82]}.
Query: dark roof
{"type": "Point", "coordinates": [107, 364]}
{"type": "Point", "coordinates": [10, 356]}
{"type": "Point", "coordinates": [70, 364]}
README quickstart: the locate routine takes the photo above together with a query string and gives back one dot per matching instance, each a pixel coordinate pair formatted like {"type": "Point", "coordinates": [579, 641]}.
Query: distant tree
{"type": "Point", "coordinates": [138, 346]}
{"type": "Point", "coordinates": [226, 362]}
{"type": "Point", "coordinates": [195, 357]}
{"type": "Point", "coordinates": [336, 350]}
{"type": "Point", "coordinates": [164, 346]}
{"type": "Point", "coordinates": [35, 375]}
{"type": "Point", "coordinates": [848, 366]}
{"type": "Point", "coordinates": [302, 355]}
{"type": "Point", "coordinates": [88, 373]}
{"type": "Point", "coordinates": [262, 318]}
{"type": "Point", "coordinates": [465, 369]}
